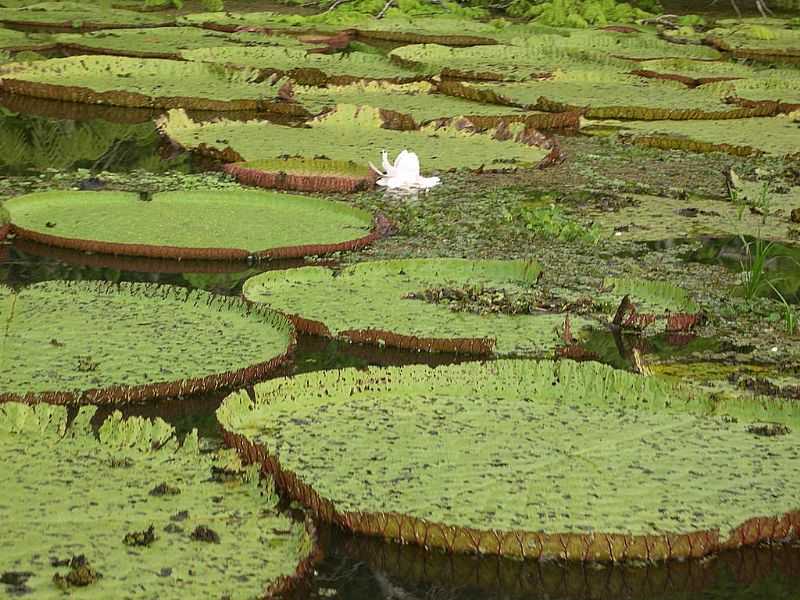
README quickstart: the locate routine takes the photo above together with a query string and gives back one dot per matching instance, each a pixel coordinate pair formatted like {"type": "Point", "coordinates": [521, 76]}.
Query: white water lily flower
{"type": "Point", "coordinates": [404, 173]}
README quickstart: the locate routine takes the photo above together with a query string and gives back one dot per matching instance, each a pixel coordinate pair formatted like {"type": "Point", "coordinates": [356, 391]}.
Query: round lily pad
{"type": "Point", "coordinates": [219, 225]}
{"type": "Point", "coordinates": [160, 42]}
{"type": "Point", "coordinates": [765, 39]}
{"type": "Point", "coordinates": [132, 511]}
{"type": "Point", "coordinates": [97, 342]}
{"type": "Point", "coordinates": [81, 16]}
{"type": "Point", "coordinates": [359, 133]}
{"type": "Point", "coordinates": [450, 305]}
{"type": "Point", "coordinates": [305, 67]}
{"type": "Point", "coordinates": [305, 175]}
{"type": "Point", "coordinates": [567, 460]}
{"type": "Point", "coordinates": [145, 82]}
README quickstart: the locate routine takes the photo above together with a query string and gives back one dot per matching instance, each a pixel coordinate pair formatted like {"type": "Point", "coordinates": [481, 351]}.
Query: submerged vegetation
{"type": "Point", "coordinates": [615, 184]}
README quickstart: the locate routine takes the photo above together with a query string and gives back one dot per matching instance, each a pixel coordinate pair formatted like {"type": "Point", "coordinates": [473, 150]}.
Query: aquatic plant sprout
{"type": "Point", "coordinates": [529, 459]}
{"type": "Point", "coordinates": [404, 173]}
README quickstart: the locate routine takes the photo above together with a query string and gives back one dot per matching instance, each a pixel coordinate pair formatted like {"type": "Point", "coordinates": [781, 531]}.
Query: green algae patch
{"type": "Point", "coordinates": [305, 67]}
{"type": "Point", "coordinates": [522, 458]}
{"type": "Point", "coordinates": [113, 343]}
{"type": "Point", "coordinates": [85, 525]}
{"type": "Point", "coordinates": [144, 82]}
{"type": "Point", "coordinates": [358, 134]}
{"type": "Point", "coordinates": [210, 225]}
{"type": "Point", "coordinates": [84, 16]}
{"type": "Point", "coordinates": [305, 175]}
{"type": "Point", "coordinates": [651, 218]}
{"type": "Point", "coordinates": [772, 136]}
{"type": "Point", "coordinates": [602, 92]}
{"type": "Point", "coordinates": [161, 42]}
{"type": "Point", "coordinates": [384, 302]}
{"type": "Point", "coordinates": [420, 100]}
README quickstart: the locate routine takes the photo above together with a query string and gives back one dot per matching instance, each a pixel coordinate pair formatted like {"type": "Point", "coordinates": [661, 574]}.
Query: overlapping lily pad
{"type": "Point", "coordinates": [138, 82]}
{"type": "Point", "coordinates": [85, 16]}
{"type": "Point", "coordinates": [17, 41]}
{"type": "Point", "coordinates": [532, 459]}
{"type": "Point", "coordinates": [161, 42]}
{"type": "Point", "coordinates": [213, 225]}
{"type": "Point", "coordinates": [131, 510]}
{"type": "Point", "coordinates": [404, 303]}
{"type": "Point", "coordinates": [305, 67]}
{"type": "Point", "coordinates": [95, 342]}
{"type": "Point", "coordinates": [604, 92]}
{"type": "Point", "coordinates": [358, 134]}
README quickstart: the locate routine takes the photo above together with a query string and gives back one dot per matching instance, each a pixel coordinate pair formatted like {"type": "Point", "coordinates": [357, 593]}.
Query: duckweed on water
{"type": "Point", "coordinates": [80, 502]}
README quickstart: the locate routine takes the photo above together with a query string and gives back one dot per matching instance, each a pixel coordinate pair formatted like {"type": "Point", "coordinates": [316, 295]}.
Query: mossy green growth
{"type": "Point", "coordinates": [155, 78]}
{"type": "Point", "coordinates": [167, 40]}
{"type": "Point", "coordinates": [419, 100]}
{"type": "Point", "coordinates": [577, 13]}
{"type": "Point", "coordinates": [101, 487]}
{"type": "Point", "coordinates": [517, 445]}
{"type": "Point", "coordinates": [79, 15]}
{"type": "Point", "coordinates": [377, 295]}
{"type": "Point", "coordinates": [287, 60]}
{"type": "Point", "coordinates": [247, 219]}
{"type": "Point", "coordinates": [97, 335]}
{"type": "Point", "coordinates": [357, 133]}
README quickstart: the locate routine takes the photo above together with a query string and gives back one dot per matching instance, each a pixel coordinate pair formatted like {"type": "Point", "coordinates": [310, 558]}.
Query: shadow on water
{"type": "Point", "coordinates": [782, 266]}
{"type": "Point", "coordinates": [358, 568]}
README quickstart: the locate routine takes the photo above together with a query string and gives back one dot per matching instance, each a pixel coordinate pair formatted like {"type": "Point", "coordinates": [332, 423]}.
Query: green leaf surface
{"type": "Point", "coordinates": [250, 220]}
{"type": "Point", "coordinates": [78, 336]}
{"type": "Point", "coordinates": [357, 133]}
{"type": "Point", "coordinates": [373, 295]}
{"type": "Point", "coordinates": [525, 446]}
{"type": "Point", "coordinates": [80, 14]}
{"type": "Point", "coordinates": [68, 492]}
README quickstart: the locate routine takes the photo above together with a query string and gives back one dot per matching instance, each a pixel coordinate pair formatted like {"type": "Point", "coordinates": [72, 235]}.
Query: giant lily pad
{"type": "Point", "coordinates": [17, 41]}
{"type": "Point", "coordinates": [772, 136]}
{"type": "Point", "coordinates": [530, 459]}
{"type": "Point", "coordinates": [604, 92]}
{"type": "Point", "coordinates": [358, 134]}
{"type": "Point", "coordinates": [221, 225]}
{"type": "Point", "coordinates": [303, 66]}
{"type": "Point", "coordinates": [419, 100]}
{"type": "Point", "coordinates": [756, 39]}
{"type": "Point", "coordinates": [135, 82]}
{"type": "Point", "coordinates": [103, 494]}
{"type": "Point", "coordinates": [94, 342]}
{"type": "Point", "coordinates": [160, 42]}
{"type": "Point", "coordinates": [651, 218]}
{"type": "Point", "coordinates": [84, 16]}
{"type": "Point", "coordinates": [386, 302]}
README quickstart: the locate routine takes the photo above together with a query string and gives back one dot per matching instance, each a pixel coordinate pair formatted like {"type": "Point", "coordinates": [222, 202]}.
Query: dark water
{"type": "Point", "coordinates": [35, 135]}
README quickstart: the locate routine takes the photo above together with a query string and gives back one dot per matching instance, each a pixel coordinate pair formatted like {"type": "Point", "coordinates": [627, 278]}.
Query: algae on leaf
{"type": "Point", "coordinates": [213, 225]}
{"type": "Point", "coordinates": [383, 302]}
{"type": "Point", "coordinates": [69, 493]}
{"type": "Point", "coordinates": [358, 134]}
{"type": "Point", "coordinates": [97, 342]}
{"type": "Point", "coordinates": [523, 458]}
